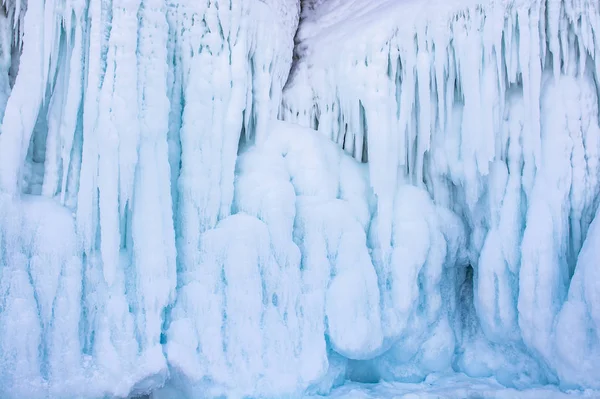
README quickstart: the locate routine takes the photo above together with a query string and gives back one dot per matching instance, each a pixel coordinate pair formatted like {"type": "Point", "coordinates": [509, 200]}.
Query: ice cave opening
{"type": "Point", "coordinates": [299, 199]}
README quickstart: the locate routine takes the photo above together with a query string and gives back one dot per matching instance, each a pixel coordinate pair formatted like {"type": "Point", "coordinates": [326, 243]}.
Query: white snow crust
{"type": "Point", "coordinates": [450, 387]}
{"type": "Point", "coordinates": [420, 222]}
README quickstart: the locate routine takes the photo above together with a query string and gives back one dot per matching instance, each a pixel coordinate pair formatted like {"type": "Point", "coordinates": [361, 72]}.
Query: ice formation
{"type": "Point", "coordinates": [118, 144]}
{"type": "Point", "coordinates": [492, 108]}
{"type": "Point", "coordinates": [161, 233]}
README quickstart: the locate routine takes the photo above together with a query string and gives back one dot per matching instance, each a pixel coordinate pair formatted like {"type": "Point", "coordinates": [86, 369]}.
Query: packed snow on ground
{"type": "Point", "coordinates": [450, 387]}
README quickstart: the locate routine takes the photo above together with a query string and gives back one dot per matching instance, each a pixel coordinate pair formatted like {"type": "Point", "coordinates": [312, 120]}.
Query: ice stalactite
{"type": "Point", "coordinates": [493, 108]}
{"type": "Point", "coordinates": [23, 104]}
{"type": "Point", "coordinates": [237, 99]}
{"type": "Point", "coordinates": [160, 232]}
{"type": "Point", "coordinates": [125, 117]}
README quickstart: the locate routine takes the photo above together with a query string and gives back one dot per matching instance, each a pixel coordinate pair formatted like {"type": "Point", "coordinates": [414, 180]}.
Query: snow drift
{"type": "Point", "coordinates": [160, 232]}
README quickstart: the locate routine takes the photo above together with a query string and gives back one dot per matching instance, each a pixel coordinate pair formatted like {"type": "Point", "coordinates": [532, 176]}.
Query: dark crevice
{"type": "Point", "coordinates": [299, 47]}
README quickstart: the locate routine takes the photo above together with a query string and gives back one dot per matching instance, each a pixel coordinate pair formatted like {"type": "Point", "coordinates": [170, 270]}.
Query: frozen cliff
{"type": "Point", "coordinates": [491, 108]}
{"type": "Point", "coordinates": [425, 205]}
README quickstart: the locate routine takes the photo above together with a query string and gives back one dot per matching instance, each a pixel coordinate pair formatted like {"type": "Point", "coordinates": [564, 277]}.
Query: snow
{"type": "Point", "coordinates": [441, 386]}
{"type": "Point", "coordinates": [421, 221]}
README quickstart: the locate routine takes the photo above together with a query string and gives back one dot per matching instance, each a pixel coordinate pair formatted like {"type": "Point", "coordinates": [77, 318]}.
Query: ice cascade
{"type": "Point", "coordinates": [120, 130]}
{"type": "Point", "coordinates": [426, 204]}
{"type": "Point", "coordinates": [492, 107]}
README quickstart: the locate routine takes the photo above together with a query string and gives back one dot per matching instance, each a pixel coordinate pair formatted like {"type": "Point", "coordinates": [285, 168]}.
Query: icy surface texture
{"type": "Point", "coordinates": [288, 270]}
{"type": "Point", "coordinates": [161, 232]}
{"type": "Point", "coordinates": [455, 386]}
{"type": "Point", "coordinates": [492, 107]}
{"type": "Point", "coordinates": [118, 142]}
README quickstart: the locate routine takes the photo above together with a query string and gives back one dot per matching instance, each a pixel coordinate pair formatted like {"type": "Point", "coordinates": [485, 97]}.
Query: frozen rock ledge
{"type": "Point", "coordinates": [423, 214]}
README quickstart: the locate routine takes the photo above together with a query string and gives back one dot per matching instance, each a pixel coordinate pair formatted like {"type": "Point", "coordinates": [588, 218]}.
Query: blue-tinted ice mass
{"type": "Point", "coordinates": [286, 199]}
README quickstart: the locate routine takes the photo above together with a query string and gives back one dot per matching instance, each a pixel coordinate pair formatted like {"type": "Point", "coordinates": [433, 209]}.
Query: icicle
{"type": "Point", "coordinates": [582, 58]}
{"type": "Point", "coordinates": [450, 88]}
{"type": "Point", "coordinates": [5, 61]}
{"type": "Point", "coordinates": [564, 42]}
{"type": "Point", "coordinates": [51, 42]}
{"type": "Point", "coordinates": [108, 174]}
{"type": "Point", "coordinates": [542, 29]}
{"type": "Point", "coordinates": [54, 117]}
{"type": "Point", "coordinates": [535, 71]}
{"type": "Point", "coordinates": [407, 104]}
{"type": "Point", "coordinates": [124, 116]}
{"type": "Point", "coordinates": [499, 55]}
{"type": "Point", "coordinates": [361, 133]}
{"type": "Point", "coordinates": [23, 105]}
{"type": "Point", "coordinates": [424, 107]}
{"type": "Point", "coordinates": [73, 101]}
{"type": "Point", "coordinates": [511, 42]}
{"type": "Point", "coordinates": [87, 200]}
{"type": "Point", "coordinates": [531, 75]}
{"type": "Point", "coordinates": [441, 66]}
{"type": "Point", "coordinates": [152, 222]}
{"type": "Point", "coordinates": [175, 93]}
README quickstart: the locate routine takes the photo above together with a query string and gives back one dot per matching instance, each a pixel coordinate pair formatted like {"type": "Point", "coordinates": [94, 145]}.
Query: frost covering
{"type": "Point", "coordinates": [161, 233]}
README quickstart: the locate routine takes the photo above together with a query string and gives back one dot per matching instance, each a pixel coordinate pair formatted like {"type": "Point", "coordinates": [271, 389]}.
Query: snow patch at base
{"type": "Point", "coordinates": [439, 386]}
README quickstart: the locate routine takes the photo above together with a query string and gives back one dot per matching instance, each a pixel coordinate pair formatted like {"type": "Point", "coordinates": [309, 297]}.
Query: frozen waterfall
{"type": "Point", "coordinates": [424, 209]}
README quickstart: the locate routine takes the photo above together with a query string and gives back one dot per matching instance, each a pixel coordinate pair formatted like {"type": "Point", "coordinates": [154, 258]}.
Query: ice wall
{"type": "Point", "coordinates": [160, 232]}
{"type": "Point", "coordinates": [493, 108]}
{"type": "Point", "coordinates": [281, 281]}
{"type": "Point", "coordinates": [120, 130]}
